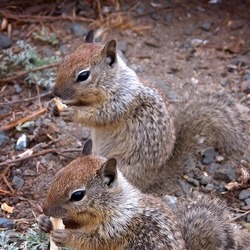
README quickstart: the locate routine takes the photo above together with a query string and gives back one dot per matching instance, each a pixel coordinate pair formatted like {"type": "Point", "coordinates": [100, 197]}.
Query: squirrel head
{"type": "Point", "coordinates": [81, 74]}
{"type": "Point", "coordinates": [83, 189]}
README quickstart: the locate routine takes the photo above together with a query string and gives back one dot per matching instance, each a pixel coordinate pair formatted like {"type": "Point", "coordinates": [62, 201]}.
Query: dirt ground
{"type": "Point", "coordinates": [177, 45]}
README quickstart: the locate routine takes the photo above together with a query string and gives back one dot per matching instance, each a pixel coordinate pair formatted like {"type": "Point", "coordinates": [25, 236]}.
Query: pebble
{"type": "Point", "coordinates": [188, 31]}
{"type": "Point", "coordinates": [193, 182]}
{"type": "Point", "coordinates": [171, 201]}
{"type": "Point", "coordinates": [18, 88]}
{"type": "Point", "coordinates": [155, 16]}
{"type": "Point", "coordinates": [226, 173]}
{"type": "Point", "coordinates": [190, 163]}
{"type": "Point", "coordinates": [246, 77]}
{"type": "Point", "coordinates": [4, 139]}
{"type": "Point", "coordinates": [205, 180]}
{"type": "Point", "coordinates": [224, 82]}
{"type": "Point", "coordinates": [6, 223]}
{"type": "Point", "coordinates": [122, 46]}
{"type": "Point", "coordinates": [18, 182]}
{"type": "Point", "coordinates": [173, 95]}
{"type": "Point", "coordinates": [247, 201]}
{"type": "Point", "coordinates": [185, 187]}
{"type": "Point", "coordinates": [137, 68]}
{"type": "Point", "coordinates": [213, 168]}
{"type": "Point", "coordinates": [22, 142]}
{"type": "Point", "coordinates": [4, 109]}
{"type": "Point", "coordinates": [244, 194]}
{"type": "Point", "coordinates": [248, 220]}
{"type": "Point", "coordinates": [206, 26]}
{"type": "Point", "coordinates": [209, 188]}
{"type": "Point", "coordinates": [140, 10]}
{"type": "Point", "coordinates": [5, 42]}
{"type": "Point", "coordinates": [168, 18]}
{"type": "Point", "coordinates": [242, 60]}
{"type": "Point", "coordinates": [78, 30]}
{"type": "Point", "coordinates": [245, 86]}
{"type": "Point", "coordinates": [209, 156]}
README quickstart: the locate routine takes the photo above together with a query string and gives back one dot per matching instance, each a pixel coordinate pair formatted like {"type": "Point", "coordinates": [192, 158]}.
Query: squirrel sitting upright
{"type": "Point", "coordinates": [102, 210]}
{"type": "Point", "coordinates": [131, 122]}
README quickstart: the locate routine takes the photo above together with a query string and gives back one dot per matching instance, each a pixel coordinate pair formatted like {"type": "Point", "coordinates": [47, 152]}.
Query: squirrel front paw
{"type": "Point", "coordinates": [61, 237]}
{"type": "Point", "coordinates": [67, 114]}
{"type": "Point", "coordinates": [52, 108]}
{"type": "Point", "coordinates": [45, 224]}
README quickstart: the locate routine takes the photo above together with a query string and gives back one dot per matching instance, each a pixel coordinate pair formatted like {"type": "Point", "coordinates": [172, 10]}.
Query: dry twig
{"type": "Point", "coordinates": [23, 120]}
{"type": "Point", "coordinates": [43, 152]}
{"type": "Point", "coordinates": [25, 72]}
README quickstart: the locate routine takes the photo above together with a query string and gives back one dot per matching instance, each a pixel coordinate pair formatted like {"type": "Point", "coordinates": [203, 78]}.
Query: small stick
{"type": "Point", "coordinates": [240, 215]}
{"type": "Point", "coordinates": [23, 120]}
{"type": "Point", "coordinates": [26, 99]}
{"type": "Point", "coordinates": [32, 18]}
{"type": "Point", "coordinates": [8, 184]}
{"type": "Point", "coordinates": [43, 152]}
{"type": "Point", "coordinates": [24, 73]}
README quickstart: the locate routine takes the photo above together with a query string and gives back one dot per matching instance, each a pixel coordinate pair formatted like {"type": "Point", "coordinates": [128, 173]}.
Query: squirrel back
{"type": "Point", "coordinates": [131, 122]}
{"type": "Point", "coordinates": [101, 210]}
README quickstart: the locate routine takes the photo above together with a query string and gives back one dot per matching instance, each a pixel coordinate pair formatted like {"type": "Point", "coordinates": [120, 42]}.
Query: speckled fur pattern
{"type": "Point", "coordinates": [131, 122]}
{"type": "Point", "coordinates": [120, 217]}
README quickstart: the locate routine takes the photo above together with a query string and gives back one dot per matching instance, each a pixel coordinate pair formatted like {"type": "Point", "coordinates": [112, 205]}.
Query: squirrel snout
{"type": "Point", "coordinates": [66, 94]}
{"type": "Point", "coordinates": [56, 92]}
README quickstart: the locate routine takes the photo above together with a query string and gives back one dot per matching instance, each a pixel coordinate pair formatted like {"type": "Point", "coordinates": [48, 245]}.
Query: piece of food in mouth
{"type": "Point", "coordinates": [59, 104]}
{"type": "Point", "coordinates": [57, 224]}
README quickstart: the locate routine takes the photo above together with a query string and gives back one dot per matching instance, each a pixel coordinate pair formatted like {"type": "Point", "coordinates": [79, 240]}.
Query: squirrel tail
{"type": "Point", "coordinates": [205, 224]}
{"type": "Point", "coordinates": [213, 116]}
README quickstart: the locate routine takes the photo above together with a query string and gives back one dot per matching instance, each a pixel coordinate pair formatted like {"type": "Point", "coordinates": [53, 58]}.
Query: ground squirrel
{"type": "Point", "coordinates": [102, 210]}
{"type": "Point", "coordinates": [131, 122]}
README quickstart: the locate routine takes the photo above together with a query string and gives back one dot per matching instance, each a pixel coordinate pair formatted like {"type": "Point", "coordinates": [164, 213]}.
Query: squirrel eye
{"type": "Point", "coordinates": [77, 195]}
{"type": "Point", "coordinates": [83, 76]}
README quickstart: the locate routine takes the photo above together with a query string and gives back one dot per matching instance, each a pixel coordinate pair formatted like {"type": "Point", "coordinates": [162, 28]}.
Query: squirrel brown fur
{"type": "Point", "coordinates": [131, 122]}
{"type": "Point", "coordinates": [102, 210]}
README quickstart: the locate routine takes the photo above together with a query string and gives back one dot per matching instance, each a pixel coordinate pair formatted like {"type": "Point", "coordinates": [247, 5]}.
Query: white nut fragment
{"type": "Point", "coordinates": [57, 224]}
{"type": "Point", "coordinates": [59, 104]}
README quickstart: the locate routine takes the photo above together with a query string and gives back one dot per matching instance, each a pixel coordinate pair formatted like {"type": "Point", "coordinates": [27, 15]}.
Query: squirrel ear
{"type": "Point", "coordinates": [110, 52]}
{"type": "Point", "coordinates": [87, 148]}
{"type": "Point", "coordinates": [90, 37]}
{"type": "Point", "coordinates": [108, 172]}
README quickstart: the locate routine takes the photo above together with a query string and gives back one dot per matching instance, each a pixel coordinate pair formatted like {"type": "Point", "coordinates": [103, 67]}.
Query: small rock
{"type": "Point", "coordinates": [247, 201]}
{"type": "Point", "coordinates": [185, 187]}
{"type": "Point", "coordinates": [171, 201]}
{"type": "Point", "coordinates": [237, 24]}
{"type": "Point", "coordinates": [226, 173]}
{"type": "Point", "coordinates": [22, 142]}
{"type": "Point", "coordinates": [18, 182]}
{"type": "Point", "coordinates": [213, 168]}
{"type": "Point", "coordinates": [248, 220]}
{"type": "Point", "coordinates": [193, 182]}
{"type": "Point", "coordinates": [190, 163]}
{"type": "Point", "coordinates": [4, 109]}
{"type": "Point", "coordinates": [188, 31]}
{"type": "Point", "coordinates": [205, 180]}
{"type": "Point", "coordinates": [78, 30]}
{"type": "Point", "coordinates": [168, 17]}
{"type": "Point", "coordinates": [206, 26]}
{"type": "Point", "coordinates": [244, 194]}
{"type": "Point", "coordinates": [209, 156]}
{"type": "Point", "coordinates": [246, 77]}
{"type": "Point", "coordinates": [4, 139]}
{"type": "Point", "coordinates": [245, 86]}
{"type": "Point", "coordinates": [167, 3]}
{"type": "Point", "coordinates": [155, 16]}
{"type": "Point", "coordinates": [242, 60]}
{"type": "Point", "coordinates": [209, 188]}
{"type": "Point", "coordinates": [122, 46]}
{"type": "Point", "coordinates": [18, 88]}
{"type": "Point", "coordinates": [173, 95]}
{"type": "Point", "coordinates": [140, 10]}
{"type": "Point", "coordinates": [224, 82]}
{"type": "Point", "coordinates": [5, 42]}
{"type": "Point", "coordinates": [6, 223]}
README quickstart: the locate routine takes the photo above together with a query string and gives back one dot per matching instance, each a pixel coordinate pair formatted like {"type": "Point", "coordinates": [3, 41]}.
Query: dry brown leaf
{"type": "Point", "coordinates": [5, 207]}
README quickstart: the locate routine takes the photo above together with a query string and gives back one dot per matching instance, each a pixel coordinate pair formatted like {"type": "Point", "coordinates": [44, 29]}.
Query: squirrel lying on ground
{"type": "Point", "coordinates": [102, 210]}
{"type": "Point", "coordinates": [131, 122]}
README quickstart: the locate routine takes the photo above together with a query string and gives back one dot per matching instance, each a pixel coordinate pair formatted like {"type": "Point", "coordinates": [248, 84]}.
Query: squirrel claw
{"type": "Point", "coordinates": [60, 237]}
{"type": "Point", "coordinates": [45, 224]}
{"type": "Point", "coordinates": [67, 114]}
{"type": "Point", "coordinates": [52, 108]}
